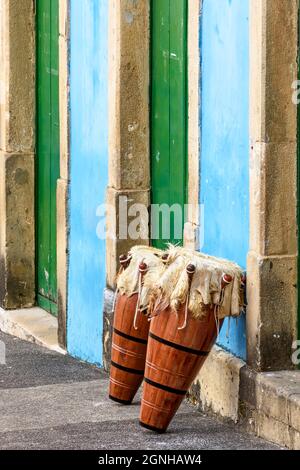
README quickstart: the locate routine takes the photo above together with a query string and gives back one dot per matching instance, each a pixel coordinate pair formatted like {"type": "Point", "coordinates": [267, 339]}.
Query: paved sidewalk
{"type": "Point", "coordinates": [52, 401]}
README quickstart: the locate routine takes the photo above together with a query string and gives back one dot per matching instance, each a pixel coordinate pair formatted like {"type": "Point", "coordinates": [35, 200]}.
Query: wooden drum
{"type": "Point", "coordinates": [128, 350]}
{"type": "Point", "coordinates": [178, 345]}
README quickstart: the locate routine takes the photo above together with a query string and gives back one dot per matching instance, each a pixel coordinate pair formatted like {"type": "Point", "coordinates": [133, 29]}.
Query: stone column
{"type": "Point", "coordinates": [129, 168]}
{"type": "Point", "coordinates": [272, 260]}
{"type": "Point", "coordinates": [63, 181]}
{"type": "Point", "coordinates": [17, 147]}
{"type": "Point", "coordinates": [191, 235]}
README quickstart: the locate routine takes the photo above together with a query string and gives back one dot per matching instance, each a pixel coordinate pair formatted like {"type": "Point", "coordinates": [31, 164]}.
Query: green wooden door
{"type": "Point", "coordinates": [168, 111]}
{"type": "Point", "coordinates": [47, 159]}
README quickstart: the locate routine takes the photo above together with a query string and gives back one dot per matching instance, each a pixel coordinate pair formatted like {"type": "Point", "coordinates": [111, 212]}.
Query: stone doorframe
{"type": "Point", "coordinates": [17, 158]}
{"type": "Point", "coordinates": [272, 259]}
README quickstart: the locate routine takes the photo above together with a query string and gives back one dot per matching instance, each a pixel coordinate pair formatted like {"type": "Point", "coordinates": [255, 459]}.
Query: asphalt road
{"type": "Point", "coordinates": [51, 401]}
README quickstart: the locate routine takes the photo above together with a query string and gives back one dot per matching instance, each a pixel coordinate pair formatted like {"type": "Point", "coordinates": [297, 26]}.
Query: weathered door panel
{"type": "Point", "coordinates": [168, 108]}
{"type": "Point", "coordinates": [47, 157]}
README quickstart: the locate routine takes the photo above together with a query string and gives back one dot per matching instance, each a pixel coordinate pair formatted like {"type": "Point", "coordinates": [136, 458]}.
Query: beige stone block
{"type": "Point", "coordinates": [191, 236]}
{"type": "Point", "coordinates": [193, 110]}
{"type": "Point", "coordinates": [62, 184]}
{"type": "Point", "coordinates": [17, 113]}
{"type": "Point", "coordinates": [270, 400]}
{"type": "Point", "coordinates": [294, 408]}
{"type": "Point", "coordinates": [64, 23]}
{"type": "Point", "coordinates": [64, 108]}
{"type": "Point", "coordinates": [62, 257]}
{"type": "Point", "coordinates": [219, 382]}
{"type": "Point", "coordinates": [3, 60]}
{"type": "Point", "coordinates": [17, 250]}
{"type": "Point", "coordinates": [273, 430]}
{"type": "Point", "coordinates": [257, 53]}
{"type": "Point", "coordinates": [129, 166]}
{"type": "Point", "coordinates": [296, 440]}
{"type": "Point", "coordinates": [281, 70]}
{"type": "Point", "coordinates": [272, 311]}
{"type": "Point", "coordinates": [120, 220]}
{"type": "Point", "coordinates": [278, 396]}
{"type": "Point", "coordinates": [273, 69]}
{"type": "Point", "coordinates": [273, 196]}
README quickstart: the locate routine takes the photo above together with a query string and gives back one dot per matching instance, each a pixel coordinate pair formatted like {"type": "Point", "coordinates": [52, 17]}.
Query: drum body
{"type": "Point", "coordinates": [128, 352]}
{"type": "Point", "coordinates": [174, 358]}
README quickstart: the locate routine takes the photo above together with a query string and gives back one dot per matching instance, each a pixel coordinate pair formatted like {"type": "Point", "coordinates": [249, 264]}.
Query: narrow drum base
{"type": "Point", "coordinates": [122, 394]}
{"type": "Point", "coordinates": [158, 408]}
{"type": "Point", "coordinates": [174, 358]}
{"type": "Point", "coordinates": [128, 352]}
{"type": "Point", "coordinates": [118, 400]}
{"type": "Point", "coordinates": [152, 428]}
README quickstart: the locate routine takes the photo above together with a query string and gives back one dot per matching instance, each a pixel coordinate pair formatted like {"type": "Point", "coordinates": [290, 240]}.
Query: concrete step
{"type": "Point", "coordinates": [270, 405]}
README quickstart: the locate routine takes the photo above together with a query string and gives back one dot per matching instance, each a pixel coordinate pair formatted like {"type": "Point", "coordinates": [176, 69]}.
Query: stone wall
{"type": "Point", "coordinates": [17, 147]}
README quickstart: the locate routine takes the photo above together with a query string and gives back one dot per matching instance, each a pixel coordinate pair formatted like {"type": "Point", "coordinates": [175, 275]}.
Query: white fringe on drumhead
{"type": "Point", "coordinates": [166, 282]}
{"type": "Point", "coordinates": [128, 279]}
{"type": "Point", "coordinates": [173, 287]}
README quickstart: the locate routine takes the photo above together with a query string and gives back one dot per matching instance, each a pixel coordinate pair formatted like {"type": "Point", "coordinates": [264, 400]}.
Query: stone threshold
{"type": "Point", "coordinates": [266, 404]}
{"type": "Point", "coordinates": [269, 405]}
{"type": "Point", "coordinates": [32, 324]}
